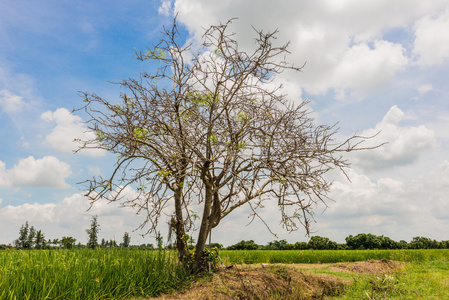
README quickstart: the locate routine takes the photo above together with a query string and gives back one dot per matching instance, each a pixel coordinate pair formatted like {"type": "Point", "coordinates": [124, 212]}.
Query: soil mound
{"type": "Point", "coordinates": [279, 281]}
{"type": "Point", "coordinates": [374, 267]}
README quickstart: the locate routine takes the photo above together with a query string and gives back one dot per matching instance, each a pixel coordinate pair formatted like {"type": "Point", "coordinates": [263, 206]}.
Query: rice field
{"type": "Point", "coordinates": [88, 274]}
{"type": "Point", "coordinates": [329, 256]}
{"type": "Point", "coordinates": [124, 273]}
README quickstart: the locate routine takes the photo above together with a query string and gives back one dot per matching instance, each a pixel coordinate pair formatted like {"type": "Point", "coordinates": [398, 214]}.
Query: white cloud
{"type": "Point", "coordinates": [70, 218]}
{"type": "Point", "coordinates": [422, 89]}
{"type": "Point", "coordinates": [363, 69]}
{"type": "Point", "coordinates": [10, 102]}
{"type": "Point", "coordinates": [165, 8]}
{"type": "Point", "coordinates": [395, 208]}
{"type": "Point", "coordinates": [68, 128]}
{"type": "Point", "coordinates": [404, 144]}
{"type": "Point", "coordinates": [432, 39]}
{"type": "Point", "coordinates": [4, 181]}
{"type": "Point", "coordinates": [361, 19]}
{"type": "Point", "coordinates": [399, 209]}
{"type": "Point", "coordinates": [96, 171]}
{"type": "Point", "coordinates": [45, 172]}
{"type": "Point", "coordinates": [342, 42]}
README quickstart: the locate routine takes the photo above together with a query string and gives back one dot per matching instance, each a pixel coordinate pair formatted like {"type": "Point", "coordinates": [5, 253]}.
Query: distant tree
{"type": "Point", "coordinates": [277, 245]}
{"type": "Point", "coordinates": [244, 245]}
{"type": "Point", "coordinates": [68, 242]}
{"type": "Point", "coordinates": [146, 247]}
{"type": "Point", "coordinates": [342, 246]}
{"type": "Point", "coordinates": [321, 243]}
{"type": "Point", "coordinates": [371, 241]}
{"type": "Point", "coordinates": [420, 242]}
{"type": "Point", "coordinates": [92, 233]}
{"type": "Point", "coordinates": [126, 239]}
{"type": "Point", "coordinates": [23, 235]}
{"type": "Point", "coordinates": [112, 243]}
{"type": "Point", "coordinates": [159, 241]}
{"type": "Point", "coordinates": [30, 241]}
{"type": "Point", "coordinates": [210, 127]}
{"type": "Point", "coordinates": [40, 240]}
{"type": "Point", "coordinates": [388, 243]}
{"type": "Point", "coordinates": [402, 244]}
{"type": "Point", "coordinates": [444, 244]}
{"type": "Point", "coordinates": [55, 242]}
{"type": "Point", "coordinates": [301, 246]}
{"type": "Point", "coordinates": [364, 241]}
{"type": "Point", "coordinates": [103, 243]}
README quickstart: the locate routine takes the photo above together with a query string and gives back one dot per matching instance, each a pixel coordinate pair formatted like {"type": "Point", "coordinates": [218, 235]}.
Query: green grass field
{"type": "Point", "coordinates": [418, 280]}
{"type": "Point", "coordinates": [88, 274]}
{"type": "Point", "coordinates": [329, 256]}
{"type": "Point", "coordinates": [124, 274]}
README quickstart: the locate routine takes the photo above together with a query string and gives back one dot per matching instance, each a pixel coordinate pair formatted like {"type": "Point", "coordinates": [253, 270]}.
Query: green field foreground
{"type": "Point", "coordinates": [88, 274]}
{"type": "Point", "coordinates": [124, 274]}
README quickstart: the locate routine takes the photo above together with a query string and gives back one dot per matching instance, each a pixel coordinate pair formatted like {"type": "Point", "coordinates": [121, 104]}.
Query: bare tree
{"type": "Point", "coordinates": [210, 128]}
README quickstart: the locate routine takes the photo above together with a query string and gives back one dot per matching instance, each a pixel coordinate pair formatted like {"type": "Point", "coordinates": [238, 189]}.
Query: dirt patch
{"type": "Point", "coordinates": [374, 267]}
{"type": "Point", "coordinates": [278, 281]}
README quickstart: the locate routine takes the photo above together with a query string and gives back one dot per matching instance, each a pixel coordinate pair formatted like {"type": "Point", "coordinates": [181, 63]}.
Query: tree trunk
{"type": "Point", "coordinates": [198, 264]}
{"type": "Point", "coordinates": [181, 243]}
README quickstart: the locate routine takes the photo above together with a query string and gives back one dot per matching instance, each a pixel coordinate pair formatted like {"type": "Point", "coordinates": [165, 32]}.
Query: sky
{"type": "Point", "coordinates": [372, 66]}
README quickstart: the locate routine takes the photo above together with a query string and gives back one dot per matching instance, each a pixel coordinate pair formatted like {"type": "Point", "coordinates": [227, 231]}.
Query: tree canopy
{"type": "Point", "coordinates": [209, 128]}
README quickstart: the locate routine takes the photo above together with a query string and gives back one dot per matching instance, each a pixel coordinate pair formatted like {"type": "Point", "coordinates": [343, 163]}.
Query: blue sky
{"type": "Point", "coordinates": [371, 66]}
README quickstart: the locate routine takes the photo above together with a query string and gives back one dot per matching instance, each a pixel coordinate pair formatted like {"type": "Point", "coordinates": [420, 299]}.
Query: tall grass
{"type": "Point", "coordinates": [329, 256]}
{"type": "Point", "coordinates": [88, 274]}
{"type": "Point", "coordinates": [122, 273]}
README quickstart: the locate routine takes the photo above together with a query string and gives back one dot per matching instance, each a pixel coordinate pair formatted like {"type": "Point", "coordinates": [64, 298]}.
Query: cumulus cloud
{"type": "Point", "coordinates": [404, 143]}
{"type": "Point", "coordinates": [398, 208]}
{"type": "Point", "coordinates": [68, 128]}
{"type": "Point", "coordinates": [363, 69]}
{"type": "Point", "coordinates": [342, 42]}
{"type": "Point", "coordinates": [165, 8]}
{"type": "Point", "coordinates": [70, 217]}
{"type": "Point", "coordinates": [414, 207]}
{"type": "Point", "coordinates": [363, 20]}
{"type": "Point", "coordinates": [432, 39]}
{"type": "Point", "coordinates": [48, 171]}
{"type": "Point", "coordinates": [10, 102]}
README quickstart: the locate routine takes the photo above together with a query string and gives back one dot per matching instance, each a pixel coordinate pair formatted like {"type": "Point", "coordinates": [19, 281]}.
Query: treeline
{"type": "Point", "coordinates": [361, 241]}
{"type": "Point", "coordinates": [31, 238]}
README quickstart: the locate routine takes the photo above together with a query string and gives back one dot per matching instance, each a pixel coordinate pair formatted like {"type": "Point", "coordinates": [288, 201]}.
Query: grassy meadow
{"type": "Point", "coordinates": [137, 274]}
